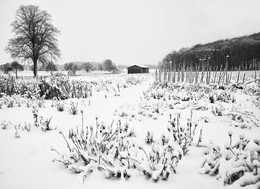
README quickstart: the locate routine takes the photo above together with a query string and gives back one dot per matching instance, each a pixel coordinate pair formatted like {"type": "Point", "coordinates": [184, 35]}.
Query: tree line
{"type": "Point", "coordinates": [72, 67]}
{"type": "Point", "coordinates": [237, 53]}
{"type": "Point", "coordinates": [106, 65]}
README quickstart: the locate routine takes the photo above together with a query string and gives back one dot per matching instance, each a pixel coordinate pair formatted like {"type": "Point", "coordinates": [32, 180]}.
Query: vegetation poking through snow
{"type": "Point", "coordinates": [5, 124]}
{"type": "Point", "coordinates": [183, 134]}
{"type": "Point", "coordinates": [40, 121]}
{"type": "Point", "coordinates": [149, 137]}
{"type": "Point", "coordinates": [73, 109]}
{"type": "Point", "coordinates": [113, 150]}
{"type": "Point", "coordinates": [60, 105]}
{"type": "Point", "coordinates": [61, 87]}
{"type": "Point", "coordinates": [234, 163]}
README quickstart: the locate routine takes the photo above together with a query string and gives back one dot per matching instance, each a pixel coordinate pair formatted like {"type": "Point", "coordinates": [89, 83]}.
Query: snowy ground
{"type": "Point", "coordinates": [26, 162]}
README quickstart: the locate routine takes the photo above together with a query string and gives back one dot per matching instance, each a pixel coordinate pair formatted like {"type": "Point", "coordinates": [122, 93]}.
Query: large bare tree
{"type": "Point", "coordinates": [35, 36]}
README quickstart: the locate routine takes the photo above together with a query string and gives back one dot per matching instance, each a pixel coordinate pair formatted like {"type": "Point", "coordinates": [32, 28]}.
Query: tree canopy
{"type": "Point", "coordinates": [71, 67]}
{"type": "Point", "coordinates": [86, 66]}
{"type": "Point", "coordinates": [35, 38]}
{"type": "Point", "coordinates": [108, 65]}
{"type": "Point", "coordinates": [14, 66]}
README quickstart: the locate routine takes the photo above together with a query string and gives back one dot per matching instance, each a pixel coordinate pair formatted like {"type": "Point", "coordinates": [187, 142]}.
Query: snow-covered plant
{"type": "Point", "coordinates": [235, 163]}
{"type": "Point", "coordinates": [35, 116]}
{"type": "Point", "coordinates": [60, 105]}
{"type": "Point", "coordinates": [73, 109]}
{"type": "Point", "coordinates": [113, 151]}
{"type": "Point", "coordinates": [217, 110]}
{"type": "Point", "coordinates": [5, 124]}
{"type": "Point", "coordinates": [10, 103]}
{"type": "Point", "coordinates": [212, 99]}
{"type": "Point", "coordinates": [40, 121]}
{"type": "Point", "coordinates": [164, 139]}
{"type": "Point", "coordinates": [99, 147]}
{"type": "Point", "coordinates": [45, 124]}
{"type": "Point", "coordinates": [27, 127]}
{"type": "Point", "coordinates": [161, 160]}
{"type": "Point", "coordinates": [149, 137]}
{"type": "Point", "coordinates": [41, 102]}
{"type": "Point", "coordinates": [17, 128]}
{"type": "Point", "coordinates": [182, 134]}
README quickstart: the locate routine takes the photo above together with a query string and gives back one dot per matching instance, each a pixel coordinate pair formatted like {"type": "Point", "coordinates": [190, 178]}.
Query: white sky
{"type": "Point", "coordinates": [135, 31]}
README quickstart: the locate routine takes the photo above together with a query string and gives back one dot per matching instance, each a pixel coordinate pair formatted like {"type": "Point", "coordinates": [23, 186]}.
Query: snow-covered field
{"type": "Point", "coordinates": [28, 159]}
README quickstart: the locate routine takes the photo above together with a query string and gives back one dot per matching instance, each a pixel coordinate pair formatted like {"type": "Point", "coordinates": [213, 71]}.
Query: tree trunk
{"type": "Point", "coordinates": [35, 68]}
{"type": "Point", "coordinates": [16, 74]}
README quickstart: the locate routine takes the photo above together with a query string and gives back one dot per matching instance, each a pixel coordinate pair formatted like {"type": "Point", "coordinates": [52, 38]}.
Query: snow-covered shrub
{"type": "Point", "coordinates": [27, 127]}
{"type": "Point", "coordinates": [182, 134]}
{"type": "Point", "coordinates": [225, 96]}
{"type": "Point", "coordinates": [234, 163]}
{"type": "Point", "coordinates": [164, 139]}
{"type": "Point", "coordinates": [99, 147]}
{"type": "Point", "coordinates": [73, 109]}
{"type": "Point", "coordinates": [244, 120]}
{"type": "Point", "coordinates": [40, 121]}
{"type": "Point", "coordinates": [35, 116]}
{"type": "Point", "coordinates": [17, 134]}
{"type": "Point", "coordinates": [113, 151]}
{"type": "Point", "coordinates": [10, 103]}
{"type": "Point", "coordinates": [161, 161]}
{"type": "Point", "coordinates": [60, 105]}
{"type": "Point", "coordinates": [45, 124]}
{"type": "Point", "coordinates": [40, 102]}
{"type": "Point", "coordinates": [5, 124]}
{"type": "Point", "coordinates": [149, 137]}
{"type": "Point", "coordinates": [217, 110]}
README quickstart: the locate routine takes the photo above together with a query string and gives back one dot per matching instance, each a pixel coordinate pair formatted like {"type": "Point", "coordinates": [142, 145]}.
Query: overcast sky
{"type": "Point", "coordinates": [135, 31]}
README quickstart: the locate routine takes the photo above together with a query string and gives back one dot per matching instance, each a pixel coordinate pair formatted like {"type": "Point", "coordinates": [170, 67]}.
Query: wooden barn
{"type": "Point", "coordinates": [137, 69]}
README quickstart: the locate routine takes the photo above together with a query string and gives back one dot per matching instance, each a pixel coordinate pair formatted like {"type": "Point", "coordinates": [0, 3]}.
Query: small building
{"type": "Point", "coordinates": [137, 69]}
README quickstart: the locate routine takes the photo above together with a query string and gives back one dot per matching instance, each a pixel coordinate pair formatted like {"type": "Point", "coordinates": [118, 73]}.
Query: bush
{"type": "Point", "coordinates": [233, 162]}
{"type": "Point", "coordinates": [114, 152]}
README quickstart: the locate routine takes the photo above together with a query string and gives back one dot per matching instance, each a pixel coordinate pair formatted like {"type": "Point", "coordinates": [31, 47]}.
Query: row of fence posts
{"type": "Point", "coordinates": [194, 75]}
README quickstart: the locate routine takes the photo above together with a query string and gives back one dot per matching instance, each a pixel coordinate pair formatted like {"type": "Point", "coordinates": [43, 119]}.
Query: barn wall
{"type": "Point", "coordinates": [136, 69]}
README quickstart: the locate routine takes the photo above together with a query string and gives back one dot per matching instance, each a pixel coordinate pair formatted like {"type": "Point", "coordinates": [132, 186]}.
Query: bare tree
{"type": "Point", "coordinates": [35, 36]}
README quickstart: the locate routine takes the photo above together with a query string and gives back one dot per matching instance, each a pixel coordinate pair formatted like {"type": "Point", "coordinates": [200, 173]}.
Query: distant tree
{"type": "Point", "coordinates": [16, 66]}
{"type": "Point", "coordinates": [100, 67]}
{"type": "Point", "coordinates": [108, 65]}
{"type": "Point", "coordinates": [86, 66]}
{"type": "Point", "coordinates": [71, 67]}
{"type": "Point", "coordinates": [35, 36]}
{"type": "Point", "coordinates": [50, 66]}
{"type": "Point", "coordinates": [68, 66]}
{"type": "Point", "coordinates": [6, 68]}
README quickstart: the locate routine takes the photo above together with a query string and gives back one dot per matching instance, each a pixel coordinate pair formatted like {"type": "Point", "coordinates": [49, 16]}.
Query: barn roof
{"type": "Point", "coordinates": [141, 66]}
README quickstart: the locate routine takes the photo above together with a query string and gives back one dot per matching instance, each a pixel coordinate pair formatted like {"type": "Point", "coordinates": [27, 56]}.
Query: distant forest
{"type": "Point", "coordinates": [243, 52]}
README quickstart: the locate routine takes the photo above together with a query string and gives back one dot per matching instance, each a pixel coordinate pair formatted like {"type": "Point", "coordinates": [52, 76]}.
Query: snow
{"type": "Point", "coordinates": [27, 162]}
